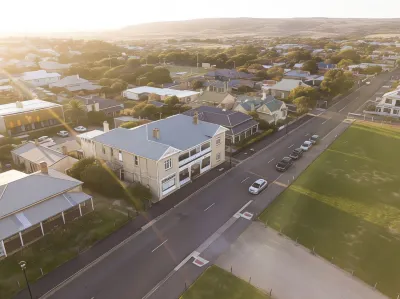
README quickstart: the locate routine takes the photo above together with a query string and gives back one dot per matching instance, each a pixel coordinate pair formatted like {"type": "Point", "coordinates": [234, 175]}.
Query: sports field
{"type": "Point", "coordinates": [347, 205]}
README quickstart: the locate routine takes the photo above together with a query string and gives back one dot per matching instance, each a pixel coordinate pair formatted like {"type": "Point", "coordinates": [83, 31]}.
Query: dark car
{"type": "Point", "coordinates": [284, 164]}
{"type": "Point", "coordinates": [296, 154]}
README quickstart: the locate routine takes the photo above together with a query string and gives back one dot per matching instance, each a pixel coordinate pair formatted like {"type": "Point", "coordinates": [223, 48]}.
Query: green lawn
{"type": "Point", "coordinates": [216, 283]}
{"type": "Point", "coordinates": [61, 245]}
{"type": "Point", "coordinates": [347, 205]}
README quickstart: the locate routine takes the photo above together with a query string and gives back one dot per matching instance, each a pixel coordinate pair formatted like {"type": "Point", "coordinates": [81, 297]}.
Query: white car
{"type": "Point", "coordinates": [63, 134]}
{"type": "Point", "coordinates": [80, 129]}
{"type": "Point", "coordinates": [258, 186]}
{"type": "Point", "coordinates": [368, 83]}
{"type": "Point", "coordinates": [44, 139]}
{"type": "Point", "coordinates": [306, 145]}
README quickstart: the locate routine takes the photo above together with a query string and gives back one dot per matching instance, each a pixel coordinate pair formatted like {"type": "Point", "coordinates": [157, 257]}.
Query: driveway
{"type": "Point", "coordinates": [291, 271]}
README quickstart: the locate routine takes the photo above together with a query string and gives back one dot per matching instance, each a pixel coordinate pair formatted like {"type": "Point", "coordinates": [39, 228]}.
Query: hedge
{"type": "Point", "coordinates": [254, 138]}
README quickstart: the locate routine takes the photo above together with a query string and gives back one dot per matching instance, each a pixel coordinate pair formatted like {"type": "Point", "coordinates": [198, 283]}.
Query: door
{"type": "Point", "coordinates": [122, 174]}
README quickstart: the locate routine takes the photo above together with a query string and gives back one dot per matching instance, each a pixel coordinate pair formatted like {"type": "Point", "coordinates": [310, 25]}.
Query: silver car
{"type": "Point", "coordinates": [258, 186]}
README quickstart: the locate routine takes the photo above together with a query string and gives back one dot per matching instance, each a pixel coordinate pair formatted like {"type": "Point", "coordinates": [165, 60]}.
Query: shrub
{"type": "Point", "coordinates": [139, 195]}
{"type": "Point", "coordinates": [130, 124]}
{"type": "Point", "coordinates": [263, 124]}
{"type": "Point", "coordinates": [254, 138]}
{"type": "Point", "coordinates": [5, 152]}
{"type": "Point", "coordinates": [77, 169]}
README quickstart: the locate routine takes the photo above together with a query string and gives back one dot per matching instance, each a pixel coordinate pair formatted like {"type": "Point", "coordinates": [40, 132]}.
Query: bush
{"type": "Point", "coordinates": [80, 166]}
{"type": "Point", "coordinates": [5, 152]}
{"type": "Point", "coordinates": [263, 124]}
{"type": "Point", "coordinates": [254, 138]}
{"type": "Point", "coordinates": [96, 118]}
{"type": "Point", "coordinates": [139, 195]}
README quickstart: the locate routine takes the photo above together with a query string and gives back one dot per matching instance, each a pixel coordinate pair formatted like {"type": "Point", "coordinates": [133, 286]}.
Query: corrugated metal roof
{"type": "Point", "coordinates": [287, 84]}
{"type": "Point", "coordinates": [27, 106]}
{"type": "Point", "coordinates": [37, 153]}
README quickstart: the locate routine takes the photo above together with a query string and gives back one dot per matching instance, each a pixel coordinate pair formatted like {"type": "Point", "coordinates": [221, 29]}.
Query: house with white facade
{"type": "Point", "coordinates": [54, 66]}
{"type": "Point", "coordinates": [186, 96]}
{"type": "Point", "coordinates": [163, 155]}
{"type": "Point", "coordinates": [389, 104]}
{"type": "Point", "coordinates": [75, 83]}
{"type": "Point", "coordinates": [40, 78]}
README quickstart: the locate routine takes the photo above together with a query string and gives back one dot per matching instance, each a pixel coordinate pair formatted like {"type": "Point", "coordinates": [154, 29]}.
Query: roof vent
{"type": "Point", "coordinates": [19, 104]}
{"type": "Point", "coordinates": [156, 133]}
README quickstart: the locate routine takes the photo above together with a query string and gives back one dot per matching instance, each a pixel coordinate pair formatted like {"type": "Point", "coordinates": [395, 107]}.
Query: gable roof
{"type": "Point", "coordinates": [38, 153]}
{"type": "Point", "coordinates": [227, 73]}
{"type": "Point", "coordinates": [30, 105]}
{"type": "Point", "coordinates": [30, 189]}
{"type": "Point", "coordinates": [212, 96]}
{"type": "Point", "coordinates": [69, 80]}
{"type": "Point", "coordinates": [323, 65]}
{"type": "Point", "coordinates": [288, 84]}
{"type": "Point", "coordinates": [297, 73]}
{"type": "Point", "coordinates": [103, 103]}
{"type": "Point", "coordinates": [270, 101]}
{"type": "Point", "coordinates": [177, 133]}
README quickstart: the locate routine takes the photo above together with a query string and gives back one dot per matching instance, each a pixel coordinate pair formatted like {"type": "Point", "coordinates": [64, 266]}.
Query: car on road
{"type": "Point", "coordinates": [314, 139]}
{"type": "Point", "coordinates": [63, 134]}
{"type": "Point", "coordinates": [44, 139]}
{"type": "Point", "coordinates": [80, 129]}
{"type": "Point", "coordinates": [284, 164]}
{"type": "Point", "coordinates": [368, 83]}
{"type": "Point", "coordinates": [306, 145]}
{"type": "Point", "coordinates": [296, 154]}
{"type": "Point", "coordinates": [258, 186]}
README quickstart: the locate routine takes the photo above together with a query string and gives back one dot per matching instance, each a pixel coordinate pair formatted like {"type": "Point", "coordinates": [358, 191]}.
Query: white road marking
{"type": "Point", "coordinates": [209, 206]}
{"type": "Point", "coordinates": [237, 214]}
{"type": "Point", "coordinates": [307, 134]}
{"type": "Point", "coordinates": [331, 131]}
{"type": "Point", "coordinates": [326, 120]}
{"type": "Point", "coordinates": [245, 180]}
{"type": "Point", "coordinates": [271, 160]}
{"type": "Point", "coordinates": [159, 245]}
{"type": "Point", "coordinates": [193, 254]}
{"type": "Point", "coordinates": [291, 146]}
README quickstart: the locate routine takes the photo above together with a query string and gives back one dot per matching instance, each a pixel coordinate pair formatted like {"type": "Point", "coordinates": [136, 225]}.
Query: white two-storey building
{"type": "Point", "coordinates": [389, 104]}
{"type": "Point", "coordinates": [163, 155]}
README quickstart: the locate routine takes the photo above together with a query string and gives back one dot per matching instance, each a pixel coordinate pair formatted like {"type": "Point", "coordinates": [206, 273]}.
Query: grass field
{"type": "Point", "coordinates": [216, 283]}
{"type": "Point", "coordinates": [347, 205]}
{"type": "Point", "coordinates": [61, 245]}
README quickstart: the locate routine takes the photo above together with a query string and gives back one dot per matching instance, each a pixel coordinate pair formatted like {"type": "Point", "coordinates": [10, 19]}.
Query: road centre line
{"type": "Point", "coordinates": [307, 134]}
{"type": "Point", "coordinates": [271, 160]}
{"type": "Point", "coordinates": [291, 146]}
{"type": "Point", "coordinates": [159, 245]}
{"type": "Point", "coordinates": [326, 120]}
{"type": "Point", "coordinates": [343, 108]}
{"type": "Point", "coordinates": [209, 206]}
{"type": "Point", "coordinates": [245, 180]}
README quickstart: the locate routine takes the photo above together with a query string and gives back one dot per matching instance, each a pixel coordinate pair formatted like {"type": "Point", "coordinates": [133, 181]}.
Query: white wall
{"type": "Point", "coordinates": [43, 81]}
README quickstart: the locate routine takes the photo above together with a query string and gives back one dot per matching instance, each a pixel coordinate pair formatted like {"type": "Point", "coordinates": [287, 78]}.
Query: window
{"type": "Point", "coordinates": [388, 101]}
{"type": "Point", "coordinates": [167, 164]}
{"type": "Point", "coordinates": [103, 150]}
{"type": "Point", "coordinates": [218, 141]}
{"type": "Point", "coordinates": [168, 183]}
{"type": "Point", "coordinates": [205, 162]}
{"type": "Point", "coordinates": [183, 156]}
{"type": "Point", "coordinates": [218, 156]}
{"type": "Point", "coordinates": [136, 161]}
{"type": "Point", "coordinates": [120, 156]}
{"type": "Point", "coordinates": [386, 110]}
{"type": "Point", "coordinates": [397, 103]}
{"type": "Point", "coordinates": [112, 152]}
{"type": "Point", "coordinates": [253, 130]}
{"type": "Point", "coordinates": [205, 146]}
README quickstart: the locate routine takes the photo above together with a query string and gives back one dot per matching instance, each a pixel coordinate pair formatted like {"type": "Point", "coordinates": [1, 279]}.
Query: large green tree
{"type": "Point", "coordinates": [75, 110]}
{"type": "Point", "coordinates": [310, 66]}
{"type": "Point", "coordinates": [344, 63]}
{"type": "Point", "coordinates": [303, 104]}
{"type": "Point", "coordinates": [337, 82]}
{"type": "Point", "coordinates": [304, 91]}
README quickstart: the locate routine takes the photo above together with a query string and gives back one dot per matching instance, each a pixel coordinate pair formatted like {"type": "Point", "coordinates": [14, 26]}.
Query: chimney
{"type": "Point", "coordinates": [156, 133]}
{"type": "Point", "coordinates": [19, 104]}
{"type": "Point", "coordinates": [64, 150]}
{"type": "Point", "coordinates": [196, 118]}
{"type": "Point", "coordinates": [36, 142]}
{"type": "Point", "coordinates": [43, 167]}
{"type": "Point", "coordinates": [106, 126]}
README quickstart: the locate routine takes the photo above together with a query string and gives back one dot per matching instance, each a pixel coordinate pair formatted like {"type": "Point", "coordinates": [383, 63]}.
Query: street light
{"type": "Point", "coordinates": [22, 264]}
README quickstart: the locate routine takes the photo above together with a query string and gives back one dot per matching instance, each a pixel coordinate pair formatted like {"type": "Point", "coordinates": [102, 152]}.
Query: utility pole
{"type": "Point", "coordinates": [22, 264]}
{"type": "Point", "coordinates": [197, 62]}
{"type": "Point", "coordinates": [109, 58]}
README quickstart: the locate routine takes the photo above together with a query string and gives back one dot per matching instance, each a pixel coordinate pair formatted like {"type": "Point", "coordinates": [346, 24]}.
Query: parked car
{"type": "Point", "coordinates": [284, 164]}
{"type": "Point", "coordinates": [368, 83]}
{"type": "Point", "coordinates": [63, 134]}
{"type": "Point", "coordinates": [80, 129]}
{"type": "Point", "coordinates": [314, 139]}
{"type": "Point", "coordinates": [258, 186]}
{"type": "Point", "coordinates": [306, 145]}
{"type": "Point", "coordinates": [296, 154]}
{"type": "Point", "coordinates": [44, 139]}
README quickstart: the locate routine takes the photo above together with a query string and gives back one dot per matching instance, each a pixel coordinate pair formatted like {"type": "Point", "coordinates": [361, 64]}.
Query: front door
{"type": "Point", "coordinates": [195, 170]}
{"type": "Point", "coordinates": [122, 174]}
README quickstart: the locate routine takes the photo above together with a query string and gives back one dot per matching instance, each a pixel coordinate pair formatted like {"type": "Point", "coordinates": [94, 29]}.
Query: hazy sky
{"type": "Point", "coordinates": [31, 16]}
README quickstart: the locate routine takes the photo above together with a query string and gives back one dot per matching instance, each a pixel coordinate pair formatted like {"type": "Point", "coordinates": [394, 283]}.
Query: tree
{"type": "Point", "coordinates": [304, 91]}
{"type": "Point", "coordinates": [243, 89]}
{"type": "Point", "coordinates": [96, 117]}
{"type": "Point", "coordinates": [101, 179]}
{"type": "Point", "coordinates": [337, 82]}
{"type": "Point", "coordinates": [133, 63]}
{"type": "Point", "coordinates": [310, 66]}
{"type": "Point", "coordinates": [302, 104]}
{"type": "Point", "coordinates": [154, 97]}
{"type": "Point", "coordinates": [149, 110]}
{"type": "Point", "coordinates": [75, 110]}
{"type": "Point", "coordinates": [197, 84]}
{"type": "Point", "coordinates": [344, 63]}
{"type": "Point", "coordinates": [76, 169]}
{"type": "Point", "coordinates": [298, 55]}
{"type": "Point", "coordinates": [129, 124]}
{"type": "Point", "coordinates": [256, 66]}
{"type": "Point", "coordinates": [371, 70]}
{"type": "Point", "coordinates": [171, 101]}
{"type": "Point", "coordinates": [275, 73]}
{"type": "Point", "coordinates": [398, 62]}
{"type": "Point", "coordinates": [118, 86]}
{"type": "Point", "coordinates": [349, 54]}
{"type": "Point", "coordinates": [151, 84]}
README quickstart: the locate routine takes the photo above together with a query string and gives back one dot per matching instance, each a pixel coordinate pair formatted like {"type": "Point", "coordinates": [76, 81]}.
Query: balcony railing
{"type": "Point", "coordinates": [194, 157]}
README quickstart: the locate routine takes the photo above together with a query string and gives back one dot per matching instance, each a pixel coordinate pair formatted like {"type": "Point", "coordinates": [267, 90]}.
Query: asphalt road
{"type": "Point", "coordinates": [134, 269]}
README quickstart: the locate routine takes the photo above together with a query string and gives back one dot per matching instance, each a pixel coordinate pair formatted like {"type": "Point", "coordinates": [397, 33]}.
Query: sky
{"type": "Point", "coordinates": [46, 16]}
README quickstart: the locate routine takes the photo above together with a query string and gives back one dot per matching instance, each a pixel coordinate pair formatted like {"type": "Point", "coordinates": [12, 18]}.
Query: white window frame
{"type": "Point", "coordinates": [218, 156]}
{"type": "Point", "coordinates": [171, 180]}
{"type": "Point", "coordinates": [168, 164]}
{"type": "Point", "coordinates": [218, 140]}
{"type": "Point", "coordinates": [120, 156]}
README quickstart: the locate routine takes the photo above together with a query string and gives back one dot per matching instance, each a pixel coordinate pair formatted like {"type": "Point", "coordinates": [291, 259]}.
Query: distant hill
{"type": "Point", "coordinates": [266, 27]}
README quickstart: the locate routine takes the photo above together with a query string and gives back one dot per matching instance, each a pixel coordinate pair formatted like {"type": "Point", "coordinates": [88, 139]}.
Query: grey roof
{"type": "Point", "coordinates": [270, 101]}
{"type": "Point", "coordinates": [103, 103]}
{"type": "Point", "coordinates": [235, 121]}
{"type": "Point", "coordinates": [157, 103]}
{"type": "Point", "coordinates": [297, 73]}
{"type": "Point", "coordinates": [287, 84]}
{"type": "Point", "coordinates": [212, 96]}
{"type": "Point", "coordinates": [35, 214]}
{"type": "Point", "coordinates": [227, 73]}
{"type": "Point", "coordinates": [21, 193]}
{"type": "Point", "coordinates": [38, 153]}
{"type": "Point", "coordinates": [177, 133]}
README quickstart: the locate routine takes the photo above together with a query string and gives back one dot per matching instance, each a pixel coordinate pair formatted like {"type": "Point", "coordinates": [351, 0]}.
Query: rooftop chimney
{"type": "Point", "coordinates": [36, 142]}
{"type": "Point", "coordinates": [43, 167]}
{"type": "Point", "coordinates": [19, 104]}
{"type": "Point", "coordinates": [196, 118]}
{"type": "Point", "coordinates": [64, 150]}
{"type": "Point", "coordinates": [106, 126]}
{"type": "Point", "coordinates": [156, 133]}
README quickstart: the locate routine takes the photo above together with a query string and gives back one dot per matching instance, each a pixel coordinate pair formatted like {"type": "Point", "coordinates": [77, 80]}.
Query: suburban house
{"type": "Point", "coordinates": [32, 205]}
{"type": "Point", "coordinates": [268, 108]}
{"type": "Point", "coordinates": [107, 106]}
{"type": "Point", "coordinates": [23, 117]}
{"type": "Point", "coordinates": [163, 155]}
{"type": "Point", "coordinates": [31, 154]}
{"type": "Point", "coordinates": [228, 86]}
{"type": "Point", "coordinates": [314, 80]}
{"type": "Point", "coordinates": [389, 104]}
{"type": "Point", "coordinates": [365, 65]}
{"type": "Point", "coordinates": [75, 83]}
{"type": "Point", "coordinates": [40, 78]}
{"type": "Point", "coordinates": [239, 125]}
{"type": "Point", "coordinates": [296, 74]}
{"type": "Point", "coordinates": [324, 67]}
{"type": "Point", "coordinates": [217, 99]}
{"type": "Point", "coordinates": [54, 66]}
{"type": "Point", "coordinates": [185, 96]}
{"type": "Point", "coordinates": [283, 88]}
{"type": "Point", "coordinates": [118, 121]}
{"type": "Point", "coordinates": [226, 75]}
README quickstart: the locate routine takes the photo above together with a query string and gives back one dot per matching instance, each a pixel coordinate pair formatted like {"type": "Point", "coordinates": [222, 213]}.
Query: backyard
{"type": "Point", "coordinates": [216, 283]}
{"type": "Point", "coordinates": [346, 205]}
{"type": "Point", "coordinates": [62, 244]}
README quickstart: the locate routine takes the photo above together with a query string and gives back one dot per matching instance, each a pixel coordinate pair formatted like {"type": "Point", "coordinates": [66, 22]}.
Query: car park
{"type": "Point", "coordinates": [296, 154]}
{"type": "Point", "coordinates": [63, 134]}
{"type": "Point", "coordinates": [306, 145]}
{"type": "Point", "coordinates": [80, 129]}
{"type": "Point", "coordinates": [258, 186]}
{"type": "Point", "coordinates": [284, 164]}
{"type": "Point", "coordinates": [314, 139]}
